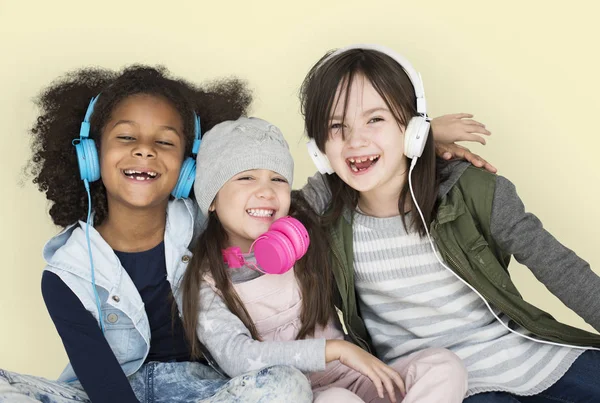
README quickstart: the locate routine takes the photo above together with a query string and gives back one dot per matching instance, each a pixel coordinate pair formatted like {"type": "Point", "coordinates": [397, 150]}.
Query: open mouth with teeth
{"type": "Point", "coordinates": [140, 175]}
{"type": "Point", "coordinates": [260, 213]}
{"type": "Point", "coordinates": [361, 164]}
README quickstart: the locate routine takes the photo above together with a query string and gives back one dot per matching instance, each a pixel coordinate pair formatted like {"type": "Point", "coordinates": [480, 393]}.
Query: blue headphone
{"type": "Point", "coordinates": [187, 175]}
{"type": "Point", "coordinates": [89, 166]}
{"type": "Point", "coordinates": [89, 171]}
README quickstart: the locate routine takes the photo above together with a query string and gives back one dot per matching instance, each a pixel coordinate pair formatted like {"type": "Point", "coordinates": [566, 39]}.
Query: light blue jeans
{"type": "Point", "coordinates": [160, 382]}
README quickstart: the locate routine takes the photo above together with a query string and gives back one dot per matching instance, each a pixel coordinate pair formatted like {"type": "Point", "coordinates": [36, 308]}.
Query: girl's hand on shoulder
{"type": "Point", "coordinates": [448, 129]}
{"type": "Point", "coordinates": [359, 360]}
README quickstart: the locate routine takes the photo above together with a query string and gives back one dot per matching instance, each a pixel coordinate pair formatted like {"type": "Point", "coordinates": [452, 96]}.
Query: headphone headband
{"type": "Point", "coordinates": [417, 129]}
{"type": "Point", "coordinates": [197, 132]}
{"type": "Point", "coordinates": [413, 75]}
{"type": "Point", "coordinates": [84, 131]}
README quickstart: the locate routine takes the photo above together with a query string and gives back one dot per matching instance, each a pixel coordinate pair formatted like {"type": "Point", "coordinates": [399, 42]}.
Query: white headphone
{"type": "Point", "coordinates": [415, 135]}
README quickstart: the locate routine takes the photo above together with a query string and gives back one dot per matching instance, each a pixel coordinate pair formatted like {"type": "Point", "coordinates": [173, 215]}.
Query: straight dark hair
{"type": "Point", "coordinates": [313, 272]}
{"type": "Point", "coordinates": [318, 101]}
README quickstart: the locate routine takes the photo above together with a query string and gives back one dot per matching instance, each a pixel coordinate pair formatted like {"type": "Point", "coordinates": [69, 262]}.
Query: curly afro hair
{"type": "Point", "coordinates": [64, 103]}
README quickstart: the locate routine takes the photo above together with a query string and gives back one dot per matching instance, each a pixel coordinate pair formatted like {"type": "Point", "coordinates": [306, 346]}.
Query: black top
{"type": "Point", "coordinates": [90, 355]}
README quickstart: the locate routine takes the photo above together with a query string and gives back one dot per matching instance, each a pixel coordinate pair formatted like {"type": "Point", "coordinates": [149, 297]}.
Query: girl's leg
{"type": "Point", "coordinates": [493, 397]}
{"type": "Point", "coordinates": [343, 384]}
{"type": "Point", "coordinates": [17, 388]}
{"type": "Point", "coordinates": [184, 382]}
{"type": "Point", "coordinates": [581, 383]}
{"type": "Point", "coordinates": [271, 384]}
{"type": "Point", "coordinates": [433, 375]}
{"type": "Point", "coordinates": [10, 393]}
{"type": "Point", "coordinates": [335, 395]}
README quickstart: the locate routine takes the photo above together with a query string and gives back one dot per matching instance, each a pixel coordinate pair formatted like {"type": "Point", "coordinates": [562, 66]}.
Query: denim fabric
{"type": "Point", "coordinates": [271, 384]}
{"type": "Point", "coordinates": [492, 397]}
{"type": "Point", "coordinates": [580, 384]}
{"type": "Point", "coordinates": [181, 382]}
{"type": "Point", "coordinates": [66, 255]}
{"type": "Point", "coordinates": [17, 388]}
{"type": "Point", "coordinates": [175, 382]}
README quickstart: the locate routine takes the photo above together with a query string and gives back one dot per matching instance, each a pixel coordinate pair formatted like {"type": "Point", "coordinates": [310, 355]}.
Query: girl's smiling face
{"type": "Point", "coordinates": [249, 203]}
{"type": "Point", "coordinates": [366, 144]}
{"type": "Point", "coordinates": [141, 152]}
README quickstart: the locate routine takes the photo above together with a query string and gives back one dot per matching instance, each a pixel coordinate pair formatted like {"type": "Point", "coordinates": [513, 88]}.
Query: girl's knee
{"type": "Point", "coordinates": [435, 375]}
{"type": "Point", "coordinates": [448, 361]}
{"type": "Point", "coordinates": [440, 357]}
{"type": "Point", "coordinates": [271, 384]}
{"type": "Point", "coordinates": [281, 373]}
{"type": "Point", "coordinates": [23, 388]}
{"type": "Point", "coordinates": [448, 358]}
{"type": "Point", "coordinates": [336, 395]}
{"type": "Point", "coordinates": [443, 363]}
{"type": "Point", "coordinates": [285, 382]}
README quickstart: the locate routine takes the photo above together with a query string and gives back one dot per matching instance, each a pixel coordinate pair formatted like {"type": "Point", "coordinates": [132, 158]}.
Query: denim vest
{"type": "Point", "coordinates": [126, 325]}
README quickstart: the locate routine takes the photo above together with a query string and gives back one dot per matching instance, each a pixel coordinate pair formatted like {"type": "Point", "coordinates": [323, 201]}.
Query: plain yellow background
{"type": "Point", "coordinates": [527, 68]}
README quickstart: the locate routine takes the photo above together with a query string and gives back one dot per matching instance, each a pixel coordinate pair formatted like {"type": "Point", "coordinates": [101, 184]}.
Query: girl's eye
{"type": "Point", "coordinates": [283, 180]}
{"type": "Point", "coordinates": [335, 129]}
{"type": "Point", "coordinates": [375, 120]}
{"type": "Point", "coordinates": [126, 138]}
{"type": "Point", "coordinates": [244, 178]}
{"type": "Point", "coordinates": [164, 143]}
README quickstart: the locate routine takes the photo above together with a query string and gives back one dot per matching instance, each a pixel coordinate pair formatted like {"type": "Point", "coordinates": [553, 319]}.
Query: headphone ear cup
{"type": "Point", "coordinates": [274, 253]}
{"type": "Point", "coordinates": [87, 159]}
{"type": "Point", "coordinates": [187, 175]}
{"type": "Point", "coordinates": [415, 136]}
{"type": "Point", "coordinates": [293, 229]}
{"type": "Point", "coordinates": [321, 161]}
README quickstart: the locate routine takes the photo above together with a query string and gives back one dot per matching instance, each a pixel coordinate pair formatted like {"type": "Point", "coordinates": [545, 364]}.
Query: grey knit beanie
{"type": "Point", "coordinates": [235, 146]}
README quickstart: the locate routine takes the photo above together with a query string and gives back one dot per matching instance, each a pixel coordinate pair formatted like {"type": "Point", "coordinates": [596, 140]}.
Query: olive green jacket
{"type": "Point", "coordinates": [462, 233]}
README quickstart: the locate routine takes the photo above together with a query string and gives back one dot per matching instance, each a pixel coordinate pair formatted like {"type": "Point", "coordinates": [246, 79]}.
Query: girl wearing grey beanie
{"type": "Point", "coordinates": [248, 319]}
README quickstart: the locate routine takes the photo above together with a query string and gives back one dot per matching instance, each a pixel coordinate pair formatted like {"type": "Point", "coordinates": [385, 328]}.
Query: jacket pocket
{"type": "Point", "coordinates": [483, 259]}
{"type": "Point", "coordinates": [118, 331]}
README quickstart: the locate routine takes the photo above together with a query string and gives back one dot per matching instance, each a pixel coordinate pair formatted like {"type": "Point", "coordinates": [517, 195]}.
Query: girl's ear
{"type": "Point", "coordinates": [212, 206]}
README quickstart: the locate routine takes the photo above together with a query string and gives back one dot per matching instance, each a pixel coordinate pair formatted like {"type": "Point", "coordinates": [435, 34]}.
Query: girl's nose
{"type": "Point", "coordinates": [265, 192]}
{"type": "Point", "coordinates": [144, 150]}
{"type": "Point", "coordinates": [356, 137]}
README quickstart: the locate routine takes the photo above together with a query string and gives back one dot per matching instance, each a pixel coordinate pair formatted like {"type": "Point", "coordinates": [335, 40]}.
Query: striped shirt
{"type": "Point", "coordinates": [409, 302]}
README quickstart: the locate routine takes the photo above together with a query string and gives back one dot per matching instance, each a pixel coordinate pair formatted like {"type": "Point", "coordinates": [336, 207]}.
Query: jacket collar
{"type": "Point", "coordinates": [69, 250]}
{"type": "Point", "coordinates": [451, 173]}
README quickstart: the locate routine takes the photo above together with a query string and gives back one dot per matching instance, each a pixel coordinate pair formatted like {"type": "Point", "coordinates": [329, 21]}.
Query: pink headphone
{"type": "Point", "coordinates": [276, 250]}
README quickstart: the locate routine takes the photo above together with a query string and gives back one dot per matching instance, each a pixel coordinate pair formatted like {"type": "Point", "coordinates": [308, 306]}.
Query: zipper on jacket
{"type": "Point", "coordinates": [346, 314]}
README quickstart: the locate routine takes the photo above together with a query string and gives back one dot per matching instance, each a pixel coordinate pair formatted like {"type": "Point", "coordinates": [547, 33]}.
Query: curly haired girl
{"type": "Point", "coordinates": [110, 281]}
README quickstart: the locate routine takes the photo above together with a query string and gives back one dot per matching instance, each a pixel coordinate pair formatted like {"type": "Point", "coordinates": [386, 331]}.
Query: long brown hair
{"type": "Point", "coordinates": [312, 271]}
{"type": "Point", "coordinates": [318, 100]}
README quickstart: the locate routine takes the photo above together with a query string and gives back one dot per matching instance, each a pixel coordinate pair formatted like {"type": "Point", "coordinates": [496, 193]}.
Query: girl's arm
{"type": "Point", "coordinates": [564, 273]}
{"type": "Point", "coordinates": [233, 348]}
{"type": "Point", "coordinates": [90, 355]}
{"type": "Point", "coordinates": [316, 192]}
